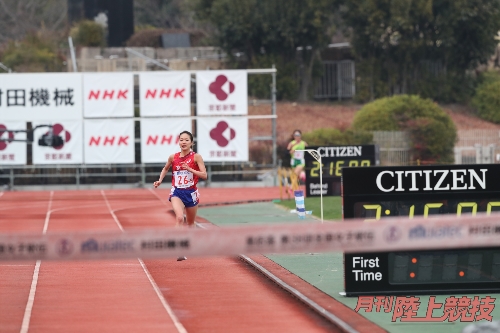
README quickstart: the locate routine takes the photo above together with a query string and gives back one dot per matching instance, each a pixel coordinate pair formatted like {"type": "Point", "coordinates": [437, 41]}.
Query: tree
{"type": "Point", "coordinates": [271, 28]}
{"type": "Point", "coordinates": [432, 132]}
{"type": "Point", "coordinates": [404, 40]}
{"type": "Point", "coordinates": [37, 52]}
{"type": "Point", "coordinates": [19, 17]}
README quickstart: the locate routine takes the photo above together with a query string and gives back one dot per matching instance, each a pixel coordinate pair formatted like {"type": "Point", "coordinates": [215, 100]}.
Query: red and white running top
{"type": "Point", "coordinates": [181, 178]}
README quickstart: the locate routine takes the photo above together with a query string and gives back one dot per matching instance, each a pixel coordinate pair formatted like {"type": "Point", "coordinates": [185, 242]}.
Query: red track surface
{"type": "Point", "coordinates": [197, 295]}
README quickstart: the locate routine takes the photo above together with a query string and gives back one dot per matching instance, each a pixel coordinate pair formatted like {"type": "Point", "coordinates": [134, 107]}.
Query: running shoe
{"type": "Point", "coordinates": [181, 258]}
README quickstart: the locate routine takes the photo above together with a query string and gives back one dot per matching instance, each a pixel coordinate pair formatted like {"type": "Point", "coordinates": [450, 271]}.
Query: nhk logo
{"type": "Point", "coordinates": [161, 140]}
{"type": "Point", "coordinates": [108, 94]}
{"type": "Point", "coordinates": [108, 140]}
{"type": "Point", "coordinates": [164, 93]}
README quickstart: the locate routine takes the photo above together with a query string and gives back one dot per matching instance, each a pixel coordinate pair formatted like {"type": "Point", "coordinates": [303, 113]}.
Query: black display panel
{"type": "Point", "coordinates": [384, 192]}
{"type": "Point", "coordinates": [334, 159]}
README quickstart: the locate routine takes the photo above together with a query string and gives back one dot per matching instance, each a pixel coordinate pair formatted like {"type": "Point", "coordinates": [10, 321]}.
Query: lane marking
{"type": "Point", "coordinates": [309, 302]}
{"type": "Point", "coordinates": [111, 211]}
{"type": "Point", "coordinates": [34, 281]}
{"type": "Point", "coordinates": [163, 301]}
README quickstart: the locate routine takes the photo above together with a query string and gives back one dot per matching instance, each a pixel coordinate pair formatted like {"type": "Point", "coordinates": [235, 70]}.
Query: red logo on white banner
{"type": "Point", "coordinates": [164, 139]}
{"type": "Point", "coordinates": [5, 135]}
{"type": "Point", "coordinates": [165, 93]}
{"type": "Point", "coordinates": [58, 129]}
{"type": "Point", "coordinates": [222, 134]}
{"type": "Point", "coordinates": [108, 140]}
{"type": "Point", "coordinates": [108, 94]}
{"type": "Point", "coordinates": [221, 87]}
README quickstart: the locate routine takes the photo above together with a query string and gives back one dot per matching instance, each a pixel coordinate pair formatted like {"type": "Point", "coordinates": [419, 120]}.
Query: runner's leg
{"type": "Point", "coordinates": [178, 206]}
{"type": "Point", "coordinates": [191, 215]}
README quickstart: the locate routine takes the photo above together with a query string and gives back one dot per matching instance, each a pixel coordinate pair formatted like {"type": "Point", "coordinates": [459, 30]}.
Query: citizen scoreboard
{"type": "Point", "coordinates": [384, 192]}
{"type": "Point", "coordinates": [334, 158]}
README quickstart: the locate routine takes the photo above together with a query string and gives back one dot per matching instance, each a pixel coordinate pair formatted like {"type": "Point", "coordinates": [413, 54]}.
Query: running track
{"type": "Point", "coordinates": [197, 295]}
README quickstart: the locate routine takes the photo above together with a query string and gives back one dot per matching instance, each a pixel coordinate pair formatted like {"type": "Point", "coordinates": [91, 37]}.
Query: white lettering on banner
{"type": "Point", "coordinates": [221, 92]}
{"type": "Point", "coordinates": [351, 237]}
{"type": "Point", "coordinates": [340, 151]}
{"type": "Point", "coordinates": [459, 180]}
{"type": "Point", "coordinates": [41, 96]}
{"type": "Point", "coordinates": [108, 95]}
{"type": "Point", "coordinates": [109, 141]}
{"type": "Point", "coordinates": [165, 94]}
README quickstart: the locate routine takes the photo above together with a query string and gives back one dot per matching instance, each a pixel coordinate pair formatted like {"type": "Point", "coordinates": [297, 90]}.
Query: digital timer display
{"type": "Point", "coordinates": [372, 211]}
{"type": "Point", "coordinates": [429, 191]}
{"type": "Point", "coordinates": [444, 267]}
{"type": "Point", "coordinates": [333, 160]}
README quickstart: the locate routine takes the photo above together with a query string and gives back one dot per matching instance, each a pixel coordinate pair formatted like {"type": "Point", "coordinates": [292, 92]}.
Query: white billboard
{"type": "Point", "coordinates": [109, 141]}
{"type": "Point", "coordinates": [165, 93]}
{"type": "Point", "coordinates": [41, 96]}
{"type": "Point", "coordinates": [223, 139]}
{"type": "Point", "coordinates": [11, 152]}
{"type": "Point", "coordinates": [108, 95]}
{"type": "Point", "coordinates": [160, 138]}
{"type": "Point", "coordinates": [70, 152]}
{"type": "Point", "coordinates": [220, 93]}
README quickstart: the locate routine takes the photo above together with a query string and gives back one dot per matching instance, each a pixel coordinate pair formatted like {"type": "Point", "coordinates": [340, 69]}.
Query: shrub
{"type": "Point", "coordinates": [146, 38]}
{"type": "Point", "coordinates": [35, 53]}
{"type": "Point", "coordinates": [432, 132]}
{"type": "Point", "coordinates": [333, 136]}
{"type": "Point", "coordinates": [487, 101]}
{"type": "Point", "coordinates": [88, 33]}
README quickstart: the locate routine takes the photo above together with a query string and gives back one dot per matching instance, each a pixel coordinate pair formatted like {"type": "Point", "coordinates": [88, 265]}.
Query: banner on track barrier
{"type": "Point", "coordinates": [160, 138]}
{"type": "Point", "coordinates": [221, 93]}
{"type": "Point", "coordinates": [40, 96]}
{"type": "Point", "coordinates": [223, 139]}
{"type": "Point", "coordinates": [109, 141]}
{"type": "Point", "coordinates": [12, 153]}
{"type": "Point", "coordinates": [352, 236]}
{"type": "Point", "coordinates": [165, 93]}
{"type": "Point", "coordinates": [70, 152]}
{"type": "Point", "coordinates": [108, 95]}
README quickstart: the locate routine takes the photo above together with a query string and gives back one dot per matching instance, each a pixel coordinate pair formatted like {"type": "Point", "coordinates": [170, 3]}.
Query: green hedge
{"type": "Point", "coordinates": [333, 136]}
{"type": "Point", "coordinates": [432, 132]}
{"type": "Point", "coordinates": [88, 33]}
{"type": "Point", "coordinates": [487, 100]}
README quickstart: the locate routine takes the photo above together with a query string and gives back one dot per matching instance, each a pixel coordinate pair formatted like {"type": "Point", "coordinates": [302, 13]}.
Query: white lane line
{"type": "Point", "coordinates": [34, 281]}
{"type": "Point", "coordinates": [175, 320]}
{"type": "Point", "coordinates": [158, 196]}
{"type": "Point", "coordinates": [163, 301]}
{"type": "Point", "coordinates": [47, 217]}
{"type": "Point", "coordinates": [111, 211]}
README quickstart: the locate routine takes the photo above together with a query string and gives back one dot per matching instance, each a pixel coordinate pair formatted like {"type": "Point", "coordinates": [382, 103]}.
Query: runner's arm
{"type": "Point", "coordinates": [201, 165]}
{"type": "Point", "coordinates": [164, 171]}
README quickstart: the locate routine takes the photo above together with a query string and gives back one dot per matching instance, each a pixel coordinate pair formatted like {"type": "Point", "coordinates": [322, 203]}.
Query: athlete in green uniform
{"type": "Point", "coordinates": [297, 157]}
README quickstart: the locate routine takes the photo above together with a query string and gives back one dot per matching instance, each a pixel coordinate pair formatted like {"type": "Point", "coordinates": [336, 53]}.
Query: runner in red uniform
{"type": "Point", "coordinates": [187, 168]}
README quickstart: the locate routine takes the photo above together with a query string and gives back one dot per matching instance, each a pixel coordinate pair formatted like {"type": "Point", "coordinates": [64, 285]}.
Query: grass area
{"type": "Point", "coordinates": [332, 207]}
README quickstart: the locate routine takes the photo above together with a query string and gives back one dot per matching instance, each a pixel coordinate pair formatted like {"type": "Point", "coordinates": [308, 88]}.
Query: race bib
{"type": "Point", "coordinates": [298, 155]}
{"type": "Point", "coordinates": [183, 179]}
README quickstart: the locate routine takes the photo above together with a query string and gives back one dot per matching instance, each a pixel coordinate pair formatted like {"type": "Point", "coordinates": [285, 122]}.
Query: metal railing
{"type": "Point", "coordinates": [138, 174]}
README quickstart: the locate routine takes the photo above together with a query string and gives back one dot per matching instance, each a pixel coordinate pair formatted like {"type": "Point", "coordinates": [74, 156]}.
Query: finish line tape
{"type": "Point", "coordinates": [352, 236]}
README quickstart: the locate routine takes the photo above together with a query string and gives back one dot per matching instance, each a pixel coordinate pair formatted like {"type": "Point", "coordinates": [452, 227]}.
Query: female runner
{"type": "Point", "coordinates": [187, 167]}
{"type": "Point", "coordinates": [297, 157]}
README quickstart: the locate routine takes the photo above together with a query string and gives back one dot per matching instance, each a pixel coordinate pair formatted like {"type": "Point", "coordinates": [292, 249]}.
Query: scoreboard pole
{"type": "Point", "coordinates": [317, 157]}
